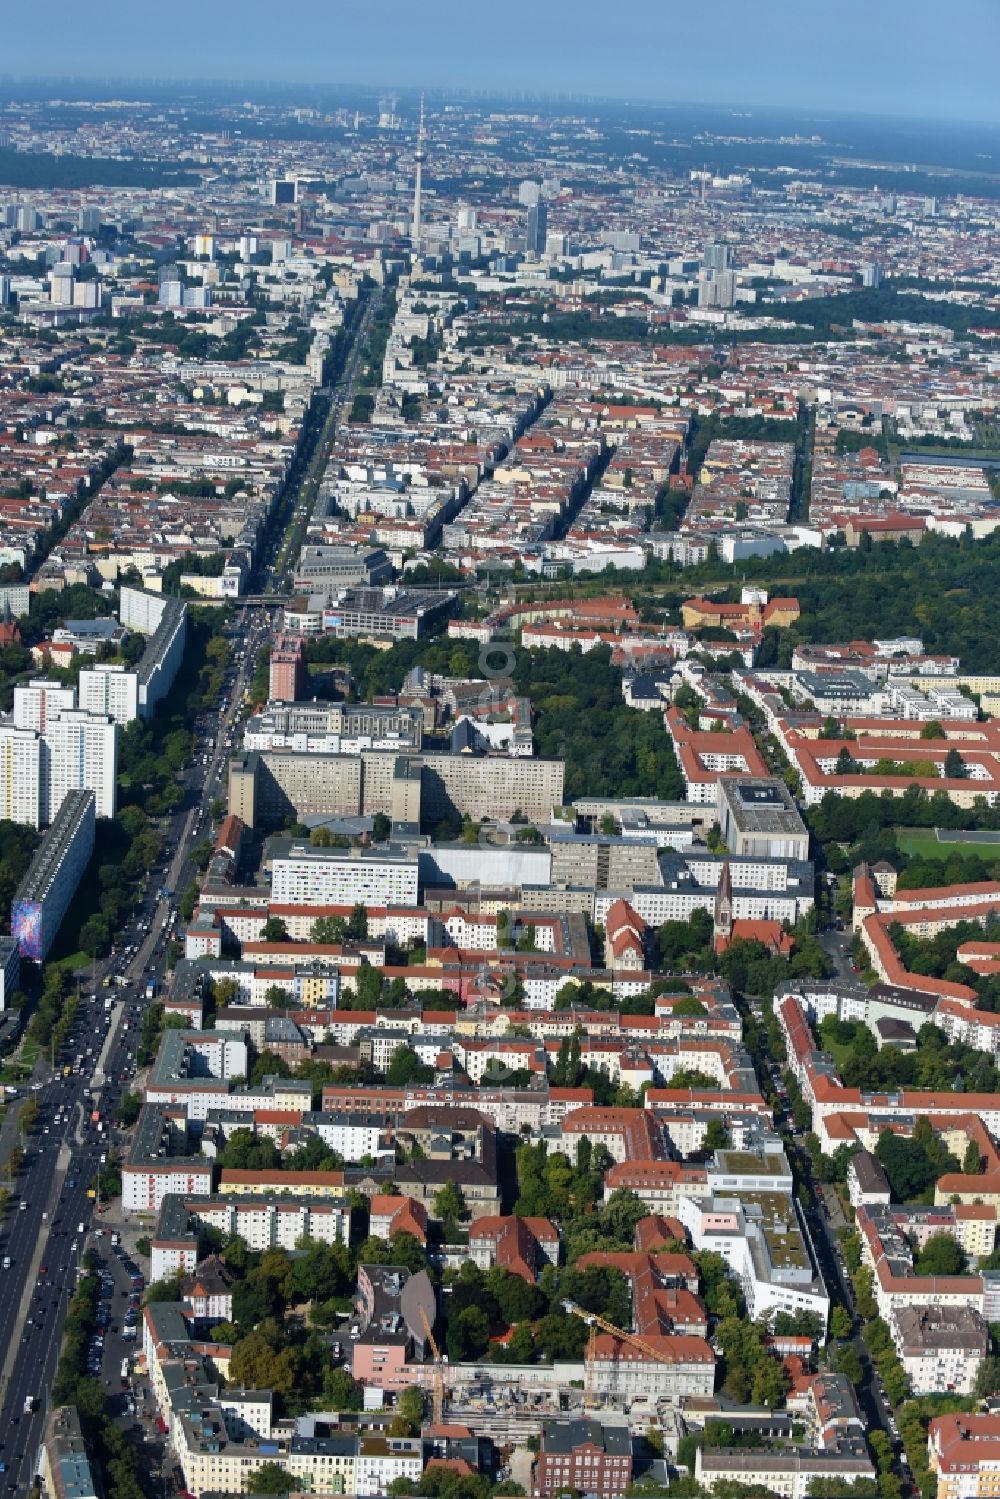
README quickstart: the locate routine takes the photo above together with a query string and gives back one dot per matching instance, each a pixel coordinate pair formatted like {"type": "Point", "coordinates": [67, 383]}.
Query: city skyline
{"type": "Point", "coordinates": [878, 61]}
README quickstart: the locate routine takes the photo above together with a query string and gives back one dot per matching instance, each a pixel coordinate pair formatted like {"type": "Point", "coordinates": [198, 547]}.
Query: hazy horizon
{"type": "Point", "coordinates": [846, 58]}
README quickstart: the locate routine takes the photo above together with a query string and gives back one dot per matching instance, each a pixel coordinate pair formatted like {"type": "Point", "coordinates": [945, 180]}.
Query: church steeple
{"type": "Point", "coordinates": [723, 921]}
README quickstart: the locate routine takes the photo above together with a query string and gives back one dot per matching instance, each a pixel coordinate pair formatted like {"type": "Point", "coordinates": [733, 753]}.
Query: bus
{"type": "Point", "coordinates": [124, 1372]}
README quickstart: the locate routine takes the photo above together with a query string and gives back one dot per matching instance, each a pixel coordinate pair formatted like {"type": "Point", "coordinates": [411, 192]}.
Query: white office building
{"type": "Point", "coordinates": [81, 752]}
{"type": "Point", "coordinates": [343, 877]}
{"type": "Point", "coordinates": [112, 690]}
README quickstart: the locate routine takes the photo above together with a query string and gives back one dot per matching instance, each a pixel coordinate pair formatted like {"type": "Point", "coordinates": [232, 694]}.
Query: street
{"type": "Point", "coordinates": [51, 1221]}
{"type": "Point", "coordinates": [824, 1219]}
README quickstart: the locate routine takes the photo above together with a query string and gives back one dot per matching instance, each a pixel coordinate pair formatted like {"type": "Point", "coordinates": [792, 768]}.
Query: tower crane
{"type": "Point", "coordinates": [594, 1322]}
{"type": "Point", "coordinates": [438, 1395]}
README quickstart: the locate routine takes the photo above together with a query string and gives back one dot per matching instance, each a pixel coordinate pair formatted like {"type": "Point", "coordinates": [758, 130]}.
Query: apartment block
{"type": "Point", "coordinates": [267, 788]}
{"type": "Point", "coordinates": [80, 752]}
{"type": "Point", "coordinates": [274, 1220]}
{"type": "Point", "coordinates": [64, 1465]}
{"type": "Point", "coordinates": [334, 728]}
{"type": "Point", "coordinates": [940, 1347]}
{"type": "Point", "coordinates": [20, 775]}
{"type": "Point", "coordinates": [787, 1474]}
{"type": "Point", "coordinates": [963, 1453]}
{"type": "Point", "coordinates": [287, 674]}
{"type": "Point", "coordinates": [42, 897]}
{"type": "Point", "coordinates": [111, 690]}
{"type": "Point", "coordinates": [160, 661]}
{"type": "Point", "coordinates": [10, 969]}
{"type": "Point", "coordinates": [39, 701]}
{"type": "Point", "coordinates": [602, 861]}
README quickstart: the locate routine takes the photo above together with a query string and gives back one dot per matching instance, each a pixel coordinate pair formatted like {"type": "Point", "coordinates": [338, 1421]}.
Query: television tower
{"type": "Point", "coordinates": [418, 186]}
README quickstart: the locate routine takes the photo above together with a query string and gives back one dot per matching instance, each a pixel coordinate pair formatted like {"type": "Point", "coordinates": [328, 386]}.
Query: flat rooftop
{"type": "Point", "coordinates": [761, 804]}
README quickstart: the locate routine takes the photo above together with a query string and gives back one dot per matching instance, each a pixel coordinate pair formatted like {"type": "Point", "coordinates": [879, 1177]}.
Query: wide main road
{"type": "Point", "coordinates": [42, 1233]}
{"type": "Point", "coordinates": [43, 1238]}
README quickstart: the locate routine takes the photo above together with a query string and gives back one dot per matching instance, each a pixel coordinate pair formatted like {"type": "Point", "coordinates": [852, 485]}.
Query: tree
{"type": "Point", "coordinates": [622, 1212]}
{"type": "Point", "coordinates": [167, 1289]}
{"type": "Point", "coordinates": [449, 1203]}
{"type": "Point", "coordinates": [128, 1109]}
{"type": "Point", "coordinates": [405, 1067]}
{"type": "Point", "coordinates": [357, 923]}
{"type": "Point", "coordinates": [848, 1363]}
{"type": "Point", "coordinates": [688, 1005]}
{"type": "Point", "coordinates": [188, 901]}
{"type": "Point", "coordinates": [716, 1135]}
{"type": "Point", "coordinates": [954, 766]}
{"type": "Point", "coordinates": [270, 1479]}
{"type": "Point", "coordinates": [468, 1334]}
{"type": "Point", "coordinates": [941, 1255]}
{"type": "Point", "coordinates": [988, 1377]}
{"type": "Point", "coordinates": [410, 1411]}
{"type": "Point", "coordinates": [225, 991]}
{"type": "Point", "coordinates": [909, 1167]}
{"type": "Point", "coordinates": [328, 930]}
{"type": "Point", "coordinates": [274, 930]}
{"type": "Point", "coordinates": [224, 1332]}
{"type": "Point", "coordinates": [257, 1365]}
{"type": "Point", "coordinates": [407, 1251]}
{"type": "Point", "coordinates": [319, 1272]}
{"type": "Point", "coordinates": [278, 998]}
{"type": "Point", "coordinates": [368, 985]}
{"type": "Point", "coordinates": [340, 1391]}
{"type": "Point", "coordinates": [840, 1323]}
{"type": "Point", "coordinates": [846, 765]}
{"type": "Point", "coordinates": [251, 1304]}
{"type": "Point", "coordinates": [517, 1300]}
{"type": "Point", "coordinates": [268, 1064]}
{"type": "Point", "coordinates": [246, 1151]}
{"type": "Point", "coordinates": [971, 1161]}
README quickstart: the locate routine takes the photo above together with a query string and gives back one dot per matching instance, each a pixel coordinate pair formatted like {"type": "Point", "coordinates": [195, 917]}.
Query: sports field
{"type": "Point", "coordinates": [938, 843]}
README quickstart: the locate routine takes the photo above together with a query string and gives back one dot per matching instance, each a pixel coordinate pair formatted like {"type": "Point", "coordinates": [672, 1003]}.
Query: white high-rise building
{"type": "Point", "coordinates": [20, 775]}
{"type": "Point", "coordinates": [111, 689]}
{"type": "Point", "coordinates": [38, 701]}
{"type": "Point", "coordinates": [81, 752]}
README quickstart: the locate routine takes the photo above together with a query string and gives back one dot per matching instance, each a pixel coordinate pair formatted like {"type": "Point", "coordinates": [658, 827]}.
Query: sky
{"type": "Point", "coordinates": [914, 57]}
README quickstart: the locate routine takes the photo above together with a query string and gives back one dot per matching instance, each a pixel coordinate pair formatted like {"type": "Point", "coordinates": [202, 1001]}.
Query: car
{"type": "Point", "coordinates": [43, 1269]}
